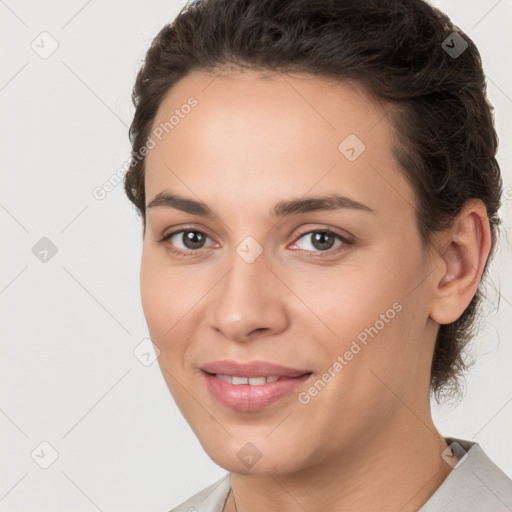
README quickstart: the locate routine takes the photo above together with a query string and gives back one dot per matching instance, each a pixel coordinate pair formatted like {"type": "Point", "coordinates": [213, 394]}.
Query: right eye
{"type": "Point", "coordinates": [191, 240]}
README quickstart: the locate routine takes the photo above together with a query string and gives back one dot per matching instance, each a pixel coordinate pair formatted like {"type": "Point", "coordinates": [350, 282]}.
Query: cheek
{"type": "Point", "coordinates": [366, 310]}
{"type": "Point", "coordinates": [378, 325]}
{"type": "Point", "coordinates": [163, 297]}
{"type": "Point", "coordinates": [152, 293]}
{"type": "Point", "coordinates": [350, 299]}
{"type": "Point", "coordinates": [161, 306]}
{"type": "Point", "coordinates": [171, 298]}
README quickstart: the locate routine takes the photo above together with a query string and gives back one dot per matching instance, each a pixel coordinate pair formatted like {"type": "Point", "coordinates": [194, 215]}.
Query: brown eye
{"type": "Point", "coordinates": [320, 240]}
{"type": "Point", "coordinates": [191, 239]}
{"type": "Point", "coordinates": [185, 241]}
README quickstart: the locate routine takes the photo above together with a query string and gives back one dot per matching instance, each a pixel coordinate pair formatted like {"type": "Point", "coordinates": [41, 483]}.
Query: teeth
{"type": "Point", "coordinates": [252, 381]}
{"type": "Point", "coordinates": [225, 378]}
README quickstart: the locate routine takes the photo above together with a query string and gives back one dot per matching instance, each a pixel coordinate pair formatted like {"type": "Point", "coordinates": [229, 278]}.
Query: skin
{"type": "Point", "coordinates": [367, 440]}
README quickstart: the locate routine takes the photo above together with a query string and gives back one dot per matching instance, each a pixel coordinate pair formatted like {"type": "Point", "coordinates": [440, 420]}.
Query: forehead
{"type": "Point", "coordinates": [273, 135]}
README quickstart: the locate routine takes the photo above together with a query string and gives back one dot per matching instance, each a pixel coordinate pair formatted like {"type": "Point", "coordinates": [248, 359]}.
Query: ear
{"type": "Point", "coordinates": [460, 256]}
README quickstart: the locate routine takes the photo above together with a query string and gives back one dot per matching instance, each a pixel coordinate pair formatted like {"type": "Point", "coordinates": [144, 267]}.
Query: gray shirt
{"type": "Point", "coordinates": [475, 484]}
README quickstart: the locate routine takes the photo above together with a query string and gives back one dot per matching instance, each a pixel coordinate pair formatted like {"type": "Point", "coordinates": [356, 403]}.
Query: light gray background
{"type": "Point", "coordinates": [69, 326]}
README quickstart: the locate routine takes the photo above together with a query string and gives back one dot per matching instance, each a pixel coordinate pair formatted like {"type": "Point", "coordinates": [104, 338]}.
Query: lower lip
{"type": "Point", "coordinates": [247, 398]}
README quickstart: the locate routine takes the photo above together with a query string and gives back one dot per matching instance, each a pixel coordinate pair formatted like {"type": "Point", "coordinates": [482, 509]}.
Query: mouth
{"type": "Point", "coordinates": [251, 381]}
{"type": "Point", "coordinates": [251, 386]}
{"type": "Point", "coordinates": [251, 370]}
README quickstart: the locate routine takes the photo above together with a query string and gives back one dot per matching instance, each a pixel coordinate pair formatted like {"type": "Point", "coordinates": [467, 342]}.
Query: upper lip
{"type": "Point", "coordinates": [251, 369]}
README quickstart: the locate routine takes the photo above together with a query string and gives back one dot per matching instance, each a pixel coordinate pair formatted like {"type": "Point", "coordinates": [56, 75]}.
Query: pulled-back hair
{"type": "Point", "coordinates": [403, 52]}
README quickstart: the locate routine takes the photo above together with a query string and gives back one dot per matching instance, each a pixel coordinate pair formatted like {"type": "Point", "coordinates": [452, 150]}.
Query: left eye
{"type": "Point", "coordinates": [320, 240]}
{"type": "Point", "coordinates": [189, 239]}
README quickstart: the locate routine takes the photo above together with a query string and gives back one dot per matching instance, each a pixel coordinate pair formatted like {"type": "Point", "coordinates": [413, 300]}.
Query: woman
{"type": "Point", "coordinates": [319, 194]}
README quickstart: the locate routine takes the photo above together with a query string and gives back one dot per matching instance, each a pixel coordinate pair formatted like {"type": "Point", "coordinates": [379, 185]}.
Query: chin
{"type": "Point", "coordinates": [256, 458]}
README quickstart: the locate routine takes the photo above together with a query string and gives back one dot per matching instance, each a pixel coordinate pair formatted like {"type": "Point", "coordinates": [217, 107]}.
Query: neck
{"type": "Point", "coordinates": [398, 469]}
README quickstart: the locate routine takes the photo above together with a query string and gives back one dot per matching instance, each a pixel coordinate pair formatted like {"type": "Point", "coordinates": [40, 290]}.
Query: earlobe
{"type": "Point", "coordinates": [462, 252]}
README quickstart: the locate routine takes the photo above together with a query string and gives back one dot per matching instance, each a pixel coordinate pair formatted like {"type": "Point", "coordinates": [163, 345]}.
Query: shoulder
{"type": "Point", "coordinates": [476, 483]}
{"type": "Point", "coordinates": [210, 499]}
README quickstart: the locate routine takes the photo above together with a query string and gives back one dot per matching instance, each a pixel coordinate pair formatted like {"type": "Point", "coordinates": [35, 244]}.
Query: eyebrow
{"type": "Point", "coordinates": [280, 209]}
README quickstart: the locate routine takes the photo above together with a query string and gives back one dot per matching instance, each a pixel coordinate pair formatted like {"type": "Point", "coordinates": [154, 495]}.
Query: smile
{"type": "Point", "coordinates": [251, 381]}
{"type": "Point", "coordinates": [252, 394]}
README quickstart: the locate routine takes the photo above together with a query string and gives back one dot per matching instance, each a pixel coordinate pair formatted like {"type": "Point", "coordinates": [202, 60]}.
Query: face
{"type": "Point", "coordinates": [263, 271]}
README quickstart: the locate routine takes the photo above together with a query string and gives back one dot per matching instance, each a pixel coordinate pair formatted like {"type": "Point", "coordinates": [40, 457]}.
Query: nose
{"type": "Point", "coordinates": [249, 301]}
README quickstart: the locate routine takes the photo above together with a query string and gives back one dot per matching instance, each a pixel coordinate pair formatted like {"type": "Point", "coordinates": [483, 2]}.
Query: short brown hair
{"type": "Point", "coordinates": [399, 50]}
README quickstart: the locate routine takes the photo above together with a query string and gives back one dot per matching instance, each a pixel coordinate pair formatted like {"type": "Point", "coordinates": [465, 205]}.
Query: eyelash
{"type": "Point", "coordinates": [192, 253]}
